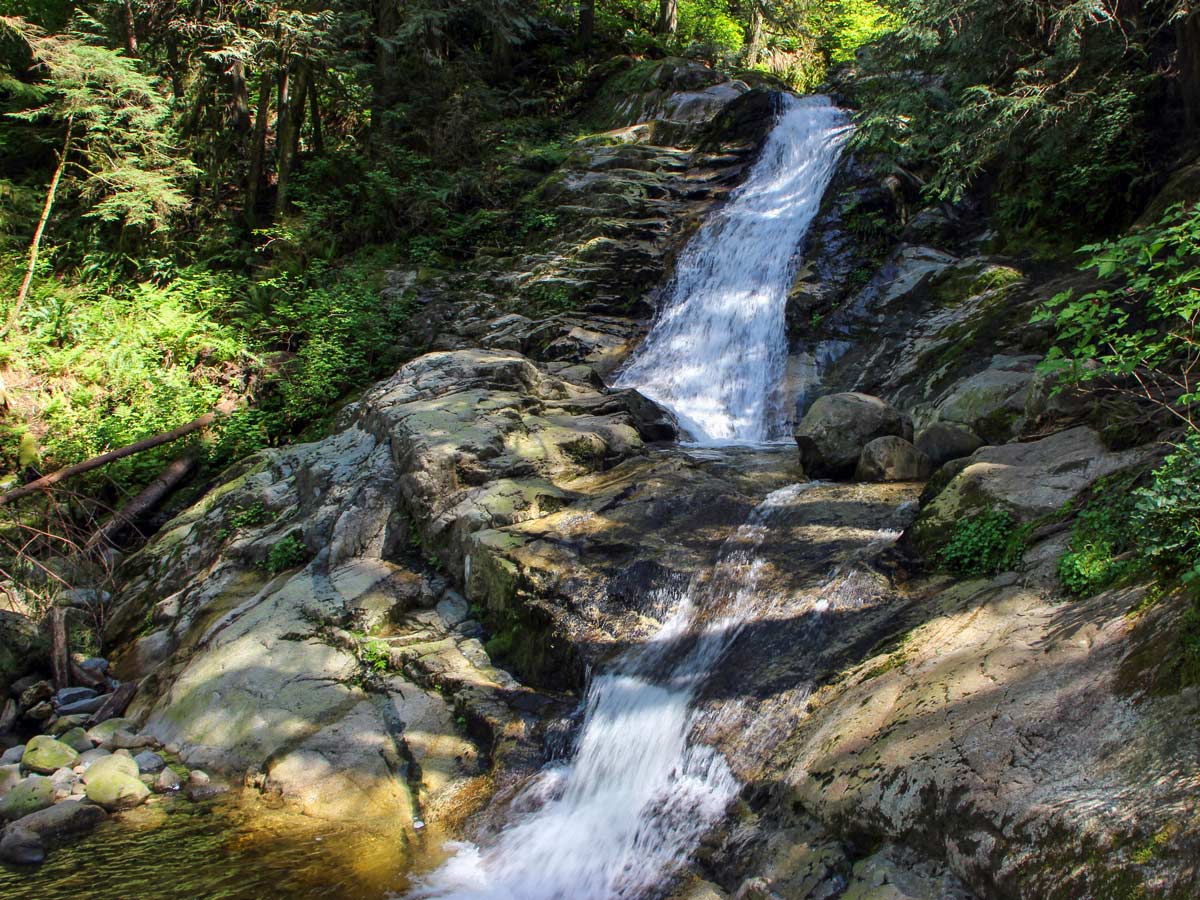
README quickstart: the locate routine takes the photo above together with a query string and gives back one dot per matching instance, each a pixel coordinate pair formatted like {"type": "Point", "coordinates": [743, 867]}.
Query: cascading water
{"type": "Point", "coordinates": [625, 812]}
{"type": "Point", "coordinates": [717, 352]}
{"type": "Point", "coordinates": [618, 818]}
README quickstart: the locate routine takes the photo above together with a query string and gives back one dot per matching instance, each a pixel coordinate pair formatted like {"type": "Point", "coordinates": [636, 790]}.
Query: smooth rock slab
{"type": "Point", "coordinates": [43, 754]}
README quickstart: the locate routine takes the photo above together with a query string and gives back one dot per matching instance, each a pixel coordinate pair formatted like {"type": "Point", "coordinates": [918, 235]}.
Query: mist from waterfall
{"type": "Point", "coordinates": [717, 352]}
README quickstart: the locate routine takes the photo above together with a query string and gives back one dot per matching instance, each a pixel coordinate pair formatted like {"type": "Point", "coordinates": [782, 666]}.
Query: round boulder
{"type": "Point", "coordinates": [892, 458]}
{"type": "Point", "coordinates": [944, 441]}
{"type": "Point", "coordinates": [28, 796]}
{"type": "Point", "coordinates": [43, 754]}
{"type": "Point", "coordinates": [833, 433]}
{"type": "Point", "coordinates": [21, 847]}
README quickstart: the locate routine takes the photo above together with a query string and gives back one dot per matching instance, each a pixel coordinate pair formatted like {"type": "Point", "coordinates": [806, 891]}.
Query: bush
{"type": "Point", "coordinates": [1165, 520]}
{"type": "Point", "coordinates": [984, 544]}
{"type": "Point", "coordinates": [287, 553]}
{"type": "Point", "coordinates": [1101, 537]}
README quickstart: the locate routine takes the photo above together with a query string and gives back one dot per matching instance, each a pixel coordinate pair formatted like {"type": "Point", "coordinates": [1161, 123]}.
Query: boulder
{"type": "Point", "coordinates": [10, 775]}
{"type": "Point", "coordinates": [1028, 480]}
{"type": "Point", "coordinates": [36, 693]}
{"type": "Point", "coordinates": [167, 782]}
{"type": "Point", "coordinates": [944, 441]}
{"type": "Point", "coordinates": [88, 757]}
{"type": "Point", "coordinates": [27, 796]}
{"type": "Point", "coordinates": [86, 705]}
{"type": "Point", "coordinates": [21, 847]}
{"type": "Point", "coordinates": [70, 695]}
{"type": "Point", "coordinates": [44, 754]}
{"type": "Point", "coordinates": [62, 820]}
{"type": "Point", "coordinates": [113, 783]}
{"type": "Point", "coordinates": [834, 431]}
{"type": "Point", "coordinates": [22, 648]}
{"type": "Point", "coordinates": [892, 458]}
{"type": "Point", "coordinates": [77, 738]}
{"type": "Point", "coordinates": [63, 724]}
{"type": "Point", "coordinates": [992, 402]}
{"type": "Point", "coordinates": [12, 755]}
{"type": "Point", "coordinates": [39, 712]}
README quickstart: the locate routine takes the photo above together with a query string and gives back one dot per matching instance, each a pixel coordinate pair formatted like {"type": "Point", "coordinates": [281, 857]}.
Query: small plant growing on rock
{"type": "Point", "coordinates": [287, 553]}
{"type": "Point", "coordinates": [374, 655]}
{"type": "Point", "coordinates": [984, 544]}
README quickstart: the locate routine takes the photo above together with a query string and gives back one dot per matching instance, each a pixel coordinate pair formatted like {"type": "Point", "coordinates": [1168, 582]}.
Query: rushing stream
{"type": "Point", "coordinates": [625, 811]}
{"type": "Point", "coordinates": [717, 352]}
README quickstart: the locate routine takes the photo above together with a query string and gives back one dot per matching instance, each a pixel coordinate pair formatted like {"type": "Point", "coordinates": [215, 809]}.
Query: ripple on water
{"type": "Point", "coordinates": [223, 851]}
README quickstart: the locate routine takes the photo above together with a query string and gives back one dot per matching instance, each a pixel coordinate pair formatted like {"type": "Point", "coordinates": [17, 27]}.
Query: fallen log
{"type": "Point", "coordinates": [114, 704]}
{"type": "Point", "coordinates": [145, 501]}
{"type": "Point", "coordinates": [166, 437]}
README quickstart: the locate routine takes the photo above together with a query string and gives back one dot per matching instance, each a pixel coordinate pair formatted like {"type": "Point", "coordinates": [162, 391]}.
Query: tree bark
{"type": "Point", "coordinates": [587, 23]}
{"type": "Point", "coordinates": [754, 45]}
{"type": "Point", "coordinates": [36, 246]}
{"type": "Point", "coordinates": [258, 149]}
{"type": "Point", "coordinates": [60, 656]}
{"type": "Point", "coordinates": [131, 41]}
{"type": "Point", "coordinates": [314, 112]}
{"type": "Point", "coordinates": [167, 481]}
{"type": "Point", "coordinates": [668, 17]}
{"type": "Point", "coordinates": [241, 97]}
{"type": "Point", "coordinates": [114, 704]}
{"type": "Point", "coordinates": [1188, 37]}
{"type": "Point", "coordinates": [48, 481]}
{"type": "Point", "coordinates": [385, 90]}
{"type": "Point", "coordinates": [292, 118]}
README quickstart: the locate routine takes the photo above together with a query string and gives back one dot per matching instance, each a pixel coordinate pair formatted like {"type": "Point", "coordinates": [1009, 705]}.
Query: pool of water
{"type": "Point", "coordinates": [225, 850]}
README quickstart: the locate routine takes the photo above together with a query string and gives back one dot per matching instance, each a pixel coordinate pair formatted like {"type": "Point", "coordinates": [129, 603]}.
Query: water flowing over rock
{"type": "Point", "coordinates": [717, 352]}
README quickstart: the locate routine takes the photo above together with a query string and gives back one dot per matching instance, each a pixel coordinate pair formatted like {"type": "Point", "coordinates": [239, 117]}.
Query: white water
{"type": "Point", "coordinates": [717, 351]}
{"type": "Point", "coordinates": [625, 812]}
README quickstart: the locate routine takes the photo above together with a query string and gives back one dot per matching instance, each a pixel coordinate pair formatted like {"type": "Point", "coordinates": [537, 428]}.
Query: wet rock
{"type": "Point", "coordinates": [834, 431]}
{"type": "Point", "coordinates": [27, 796]}
{"type": "Point", "coordinates": [63, 820]}
{"type": "Point", "coordinates": [113, 783]}
{"type": "Point", "coordinates": [149, 762]}
{"type": "Point", "coordinates": [167, 782]}
{"type": "Point", "coordinates": [21, 847]}
{"type": "Point", "coordinates": [892, 458]}
{"type": "Point", "coordinates": [944, 441]}
{"type": "Point", "coordinates": [44, 754]}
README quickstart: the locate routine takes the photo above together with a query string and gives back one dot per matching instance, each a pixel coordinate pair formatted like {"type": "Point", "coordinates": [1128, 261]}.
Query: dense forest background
{"type": "Point", "coordinates": [199, 199]}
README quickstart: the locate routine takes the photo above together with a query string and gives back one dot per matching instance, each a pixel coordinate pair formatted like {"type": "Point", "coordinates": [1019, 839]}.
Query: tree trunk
{"type": "Point", "coordinates": [587, 23]}
{"type": "Point", "coordinates": [173, 67]}
{"type": "Point", "coordinates": [48, 481]}
{"type": "Point", "coordinates": [292, 113]}
{"type": "Point", "coordinates": [130, 27]}
{"type": "Point", "coordinates": [258, 148]}
{"type": "Point", "coordinates": [1188, 37]}
{"type": "Point", "coordinates": [754, 43]}
{"type": "Point", "coordinates": [314, 113]}
{"type": "Point", "coordinates": [60, 655]}
{"type": "Point", "coordinates": [241, 97]}
{"type": "Point", "coordinates": [668, 17]}
{"type": "Point", "coordinates": [145, 501]}
{"type": "Point", "coordinates": [36, 246]}
{"type": "Point", "coordinates": [385, 89]}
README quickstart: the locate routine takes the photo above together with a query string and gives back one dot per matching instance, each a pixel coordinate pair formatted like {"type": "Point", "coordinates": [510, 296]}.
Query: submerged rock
{"type": "Point", "coordinates": [834, 431]}
{"type": "Point", "coordinates": [21, 847]}
{"type": "Point", "coordinates": [70, 817]}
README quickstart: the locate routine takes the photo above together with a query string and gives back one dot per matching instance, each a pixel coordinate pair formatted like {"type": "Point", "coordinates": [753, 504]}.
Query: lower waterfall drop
{"type": "Point", "coordinates": [717, 352]}
{"type": "Point", "coordinates": [624, 813]}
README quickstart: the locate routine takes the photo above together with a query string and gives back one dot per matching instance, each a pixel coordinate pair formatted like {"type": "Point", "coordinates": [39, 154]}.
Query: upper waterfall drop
{"type": "Point", "coordinates": [717, 351]}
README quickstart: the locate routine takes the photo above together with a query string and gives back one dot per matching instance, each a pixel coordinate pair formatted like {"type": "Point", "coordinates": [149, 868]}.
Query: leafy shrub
{"type": "Point", "coordinates": [1096, 556]}
{"type": "Point", "coordinates": [287, 553]}
{"type": "Point", "coordinates": [1165, 520]}
{"type": "Point", "coordinates": [984, 544]}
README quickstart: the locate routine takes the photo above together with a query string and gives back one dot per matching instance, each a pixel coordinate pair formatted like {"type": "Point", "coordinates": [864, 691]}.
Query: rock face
{"type": "Point", "coordinates": [833, 433]}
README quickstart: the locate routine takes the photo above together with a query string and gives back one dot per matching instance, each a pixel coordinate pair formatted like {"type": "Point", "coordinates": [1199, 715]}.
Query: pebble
{"type": "Point", "coordinates": [167, 782]}
{"type": "Point", "coordinates": [21, 847]}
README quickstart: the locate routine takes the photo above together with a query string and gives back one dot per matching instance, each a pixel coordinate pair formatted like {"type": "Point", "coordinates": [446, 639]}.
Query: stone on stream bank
{"type": "Point", "coordinates": [834, 431]}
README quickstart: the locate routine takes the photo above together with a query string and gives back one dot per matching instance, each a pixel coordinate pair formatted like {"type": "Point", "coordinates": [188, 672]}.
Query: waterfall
{"type": "Point", "coordinates": [717, 351]}
{"type": "Point", "coordinates": [624, 812]}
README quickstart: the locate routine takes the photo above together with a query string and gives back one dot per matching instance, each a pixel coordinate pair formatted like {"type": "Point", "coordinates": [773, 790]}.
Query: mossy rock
{"type": "Point", "coordinates": [31, 794]}
{"type": "Point", "coordinates": [105, 730]}
{"type": "Point", "coordinates": [44, 754]}
{"type": "Point", "coordinates": [113, 783]}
